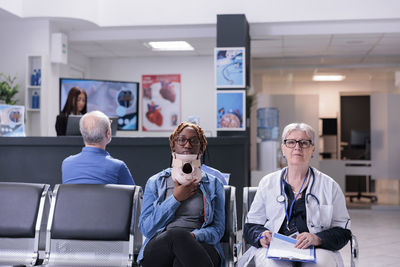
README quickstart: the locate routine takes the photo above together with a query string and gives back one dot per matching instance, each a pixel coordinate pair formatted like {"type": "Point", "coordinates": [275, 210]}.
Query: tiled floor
{"type": "Point", "coordinates": [378, 234]}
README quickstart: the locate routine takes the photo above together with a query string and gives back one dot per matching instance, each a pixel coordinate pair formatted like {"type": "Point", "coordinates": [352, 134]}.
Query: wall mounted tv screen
{"type": "Point", "coordinates": [114, 98]}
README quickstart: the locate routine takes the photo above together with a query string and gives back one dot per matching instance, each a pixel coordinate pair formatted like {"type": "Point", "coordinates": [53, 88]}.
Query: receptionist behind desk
{"type": "Point", "coordinates": [75, 105]}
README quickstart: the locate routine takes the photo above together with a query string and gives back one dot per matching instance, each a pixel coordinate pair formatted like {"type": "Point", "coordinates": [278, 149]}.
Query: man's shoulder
{"type": "Point", "coordinates": [72, 158]}
{"type": "Point", "coordinates": [114, 160]}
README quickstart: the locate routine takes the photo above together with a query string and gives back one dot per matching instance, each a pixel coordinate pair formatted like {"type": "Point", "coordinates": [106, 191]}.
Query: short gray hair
{"type": "Point", "coordinates": [93, 127]}
{"type": "Point", "coordinates": [310, 132]}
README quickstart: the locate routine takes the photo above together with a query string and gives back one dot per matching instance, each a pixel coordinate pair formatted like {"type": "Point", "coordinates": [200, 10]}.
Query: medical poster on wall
{"type": "Point", "coordinates": [12, 120]}
{"type": "Point", "coordinates": [231, 110]}
{"type": "Point", "coordinates": [161, 102]}
{"type": "Point", "coordinates": [230, 67]}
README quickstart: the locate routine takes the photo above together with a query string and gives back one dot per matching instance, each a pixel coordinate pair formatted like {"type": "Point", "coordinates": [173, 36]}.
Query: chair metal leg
{"type": "Point", "coordinates": [354, 251]}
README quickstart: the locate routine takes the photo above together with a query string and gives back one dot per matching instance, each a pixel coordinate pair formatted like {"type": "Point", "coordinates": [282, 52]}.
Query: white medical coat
{"type": "Point", "coordinates": [330, 212]}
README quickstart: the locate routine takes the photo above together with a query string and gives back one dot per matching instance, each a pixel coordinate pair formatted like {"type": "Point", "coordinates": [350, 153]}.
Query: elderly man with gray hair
{"type": "Point", "coordinates": [94, 165]}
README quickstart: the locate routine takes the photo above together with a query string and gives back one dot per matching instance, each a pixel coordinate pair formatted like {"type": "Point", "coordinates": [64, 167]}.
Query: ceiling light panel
{"type": "Point", "coordinates": [328, 77]}
{"type": "Point", "coordinates": [171, 46]}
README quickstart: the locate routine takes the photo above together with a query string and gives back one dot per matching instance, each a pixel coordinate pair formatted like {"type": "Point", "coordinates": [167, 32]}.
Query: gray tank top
{"type": "Point", "coordinates": [190, 214]}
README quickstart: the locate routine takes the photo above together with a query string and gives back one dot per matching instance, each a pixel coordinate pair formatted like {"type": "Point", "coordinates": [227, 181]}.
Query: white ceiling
{"type": "Point", "coordinates": [356, 50]}
{"type": "Point", "coordinates": [350, 50]}
{"type": "Point", "coordinates": [359, 49]}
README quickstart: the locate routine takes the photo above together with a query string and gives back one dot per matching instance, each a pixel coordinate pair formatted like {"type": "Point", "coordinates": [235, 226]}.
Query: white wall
{"type": "Point", "coordinates": [180, 12]}
{"type": "Point", "coordinates": [197, 80]}
{"type": "Point", "coordinates": [329, 92]}
{"type": "Point", "coordinates": [292, 108]}
{"type": "Point", "coordinates": [297, 83]}
{"type": "Point", "coordinates": [385, 132]}
{"type": "Point", "coordinates": [19, 39]}
{"type": "Point", "coordinates": [78, 65]}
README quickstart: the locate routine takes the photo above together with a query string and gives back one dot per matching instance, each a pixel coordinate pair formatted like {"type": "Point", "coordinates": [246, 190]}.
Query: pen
{"type": "Point", "coordinates": [260, 237]}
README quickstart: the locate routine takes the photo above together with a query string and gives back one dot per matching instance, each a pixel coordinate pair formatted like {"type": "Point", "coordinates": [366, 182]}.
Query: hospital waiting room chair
{"type": "Point", "coordinates": [248, 197]}
{"type": "Point", "coordinates": [229, 239]}
{"type": "Point", "coordinates": [93, 225]}
{"type": "Point", "coordinates": [22, 206]}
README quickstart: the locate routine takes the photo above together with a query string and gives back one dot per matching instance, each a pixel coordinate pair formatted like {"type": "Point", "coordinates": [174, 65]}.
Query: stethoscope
{"type": "Point", "coordinates": [282, 198]}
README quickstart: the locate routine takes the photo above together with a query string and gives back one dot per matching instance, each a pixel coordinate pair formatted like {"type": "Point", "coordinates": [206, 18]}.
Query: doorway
{"type": "Point", "coordinates": [355, 127]}
{"type": "Point", "coordinates": [355, 144]}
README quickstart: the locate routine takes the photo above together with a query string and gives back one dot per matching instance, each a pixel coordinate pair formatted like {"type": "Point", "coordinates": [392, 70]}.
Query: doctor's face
{"type": "Point", "coordinates": [298, 148]}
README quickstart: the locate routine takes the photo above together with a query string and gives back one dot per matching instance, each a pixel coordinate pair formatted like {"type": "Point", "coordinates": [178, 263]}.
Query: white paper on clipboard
{"type": "Point", "coordinates": [282, 248]}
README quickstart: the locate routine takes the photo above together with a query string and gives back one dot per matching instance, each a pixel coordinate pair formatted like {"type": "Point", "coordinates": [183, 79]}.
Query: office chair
{"type": "Point", "coordinates": [248, 197]}
{"type": "Point", "coordinates": [21, 210]}
{"type": "Point", "coordinates": [93, 225]}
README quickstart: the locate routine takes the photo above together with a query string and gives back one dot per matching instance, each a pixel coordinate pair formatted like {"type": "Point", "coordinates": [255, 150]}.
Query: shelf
{"type": "Point", "coordinates": [33, 109]}
{"type": "Point", "coordinates": [34, 116]}
{"type": "Point", "coordinates": [37, 87]}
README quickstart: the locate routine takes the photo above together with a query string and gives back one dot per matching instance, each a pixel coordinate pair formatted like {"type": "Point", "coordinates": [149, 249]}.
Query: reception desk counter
{"type": "Point", "coordinates": [38, 159]}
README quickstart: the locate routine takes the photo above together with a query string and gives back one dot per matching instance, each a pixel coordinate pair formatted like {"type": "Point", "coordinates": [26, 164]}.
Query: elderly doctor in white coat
{"type": "Point", "coordinates": [297, 201]}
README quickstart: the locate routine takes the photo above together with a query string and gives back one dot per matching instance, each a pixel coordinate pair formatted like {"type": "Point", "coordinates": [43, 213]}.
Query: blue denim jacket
{"type": "Point", "coordinates": [158, 211]}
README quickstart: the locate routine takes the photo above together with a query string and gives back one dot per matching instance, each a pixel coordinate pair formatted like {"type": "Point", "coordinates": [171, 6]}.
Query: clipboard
{"type": "Point", "coordinates": [282, 248]}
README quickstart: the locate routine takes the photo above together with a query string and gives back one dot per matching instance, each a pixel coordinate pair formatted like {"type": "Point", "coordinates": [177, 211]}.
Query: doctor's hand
{"type": "Point", "coordinates": [265, 238]}
{"type": "Point", "coordinates": [305, 239]}
{"type": "Point", "coordinates": [185, 191]}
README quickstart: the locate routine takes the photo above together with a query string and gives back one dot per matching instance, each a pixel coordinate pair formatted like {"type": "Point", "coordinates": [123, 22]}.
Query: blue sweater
{"type": "Point", "coordinates": [95, 166]}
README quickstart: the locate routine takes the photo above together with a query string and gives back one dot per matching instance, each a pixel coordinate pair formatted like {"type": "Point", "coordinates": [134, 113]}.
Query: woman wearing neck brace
{"type": "Point", "coordinates": [183, 217]}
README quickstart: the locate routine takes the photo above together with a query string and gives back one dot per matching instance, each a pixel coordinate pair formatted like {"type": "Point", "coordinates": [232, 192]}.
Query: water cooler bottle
{"type": "Point", "coordinates": [268, 146]}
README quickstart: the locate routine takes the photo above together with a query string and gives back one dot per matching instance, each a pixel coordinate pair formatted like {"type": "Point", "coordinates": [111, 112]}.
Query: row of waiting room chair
{"type": "Point", "coordinates": [92, 225]}
{"type": "Point", "coordinates": [81, 225]}
{"type": "Point", "coordinates": [87, 225]}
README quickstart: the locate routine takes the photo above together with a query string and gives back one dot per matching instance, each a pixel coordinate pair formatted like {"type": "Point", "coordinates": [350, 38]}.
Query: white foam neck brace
{"type": "Point", "coordinates": [186, 167]}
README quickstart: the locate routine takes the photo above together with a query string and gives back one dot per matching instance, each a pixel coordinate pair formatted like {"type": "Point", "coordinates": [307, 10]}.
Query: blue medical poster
{"type": "Point", "coordinates": [231, 110]}
{"type": "Point", "coordinates": [230, 67]}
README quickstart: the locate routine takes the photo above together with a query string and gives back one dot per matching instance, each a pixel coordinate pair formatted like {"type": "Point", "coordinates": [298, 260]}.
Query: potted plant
{"type": "Point", "coordinates": [8, 89]}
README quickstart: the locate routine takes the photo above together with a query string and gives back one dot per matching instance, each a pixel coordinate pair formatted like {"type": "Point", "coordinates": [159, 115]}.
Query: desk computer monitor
{"type": "Point", "coordinates": [73, 125]}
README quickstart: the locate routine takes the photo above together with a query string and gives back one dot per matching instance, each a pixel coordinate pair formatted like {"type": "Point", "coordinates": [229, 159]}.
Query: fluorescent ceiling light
{"type": "Point", "coordinates": [171, 46]}
{"type": "Point", "coordinates": [328, 77]}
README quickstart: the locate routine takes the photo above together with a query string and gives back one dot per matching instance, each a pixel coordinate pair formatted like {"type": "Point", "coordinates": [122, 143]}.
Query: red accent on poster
{"type": "Point", "coordinates": [161, 102]}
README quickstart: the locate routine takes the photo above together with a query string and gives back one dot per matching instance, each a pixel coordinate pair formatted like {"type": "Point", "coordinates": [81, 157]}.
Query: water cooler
{"type": "Point", "coordinates": [268, 146]}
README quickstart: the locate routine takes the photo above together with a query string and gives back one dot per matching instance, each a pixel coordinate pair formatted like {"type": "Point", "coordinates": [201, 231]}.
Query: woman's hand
{"type": "Point", "coordinates": [305, 239]}
{"type": "Point", "coordinates": [265, 238]}
{"type": "Point", "coordinates": [185, 191]}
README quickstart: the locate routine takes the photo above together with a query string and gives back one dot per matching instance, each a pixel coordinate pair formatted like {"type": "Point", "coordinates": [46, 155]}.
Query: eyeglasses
{"type": "Point", "coordinates": [182, 141]}
{"type": "Point", "coordinates": [291, 143]}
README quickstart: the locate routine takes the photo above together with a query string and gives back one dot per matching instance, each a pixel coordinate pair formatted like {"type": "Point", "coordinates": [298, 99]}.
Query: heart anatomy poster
{"type": "Point", "coordinates": [161, 102]}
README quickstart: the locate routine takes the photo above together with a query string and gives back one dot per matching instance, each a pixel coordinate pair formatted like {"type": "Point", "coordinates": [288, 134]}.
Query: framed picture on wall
{"type": "Point", "coordinates": [231, 110]}
{"type": "Point", "coordinates": [230, 67]}
{"type": "Point", "coordinates": [12, 120]}
{"type": "Point", "coordinates": [161, 102]}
